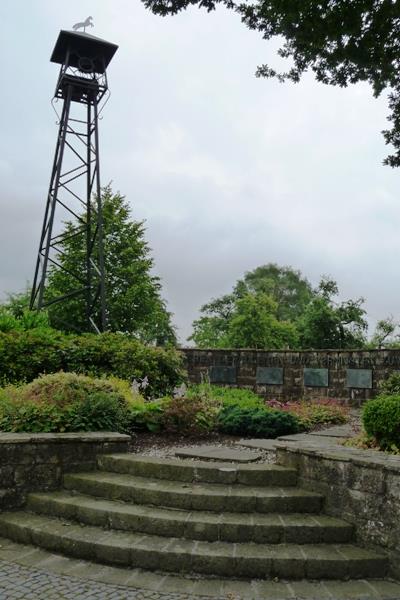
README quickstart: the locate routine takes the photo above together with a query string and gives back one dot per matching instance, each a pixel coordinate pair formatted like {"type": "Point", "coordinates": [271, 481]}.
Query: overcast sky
{"type": "Point", "coordinates": [229, 171]}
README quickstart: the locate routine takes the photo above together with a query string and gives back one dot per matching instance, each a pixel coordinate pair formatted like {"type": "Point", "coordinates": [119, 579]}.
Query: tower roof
{"type": "Point", "coordinates": [83, 45]}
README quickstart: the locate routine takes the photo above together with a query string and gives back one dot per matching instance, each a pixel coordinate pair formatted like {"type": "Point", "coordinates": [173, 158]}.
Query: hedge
{"type": "Point", "coordinates": [381, 419]}
{"type": "Point", "coordinates": [24, 355]}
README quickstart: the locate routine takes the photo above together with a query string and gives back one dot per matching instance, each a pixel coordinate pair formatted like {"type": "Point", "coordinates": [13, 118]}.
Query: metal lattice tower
{"type": "Point", "coordinates": [75, 176]}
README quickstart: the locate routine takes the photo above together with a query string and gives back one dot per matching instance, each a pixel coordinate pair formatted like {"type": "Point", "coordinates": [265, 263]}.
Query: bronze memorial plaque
{"type": "Point", "coordinates": [269, 376]}
{"type": "Point", "coordinates": [316, 377]}
{"type": "Point", "coordinates": [359, 378]}
{"type": "Point", "coordinates": [222, 374]}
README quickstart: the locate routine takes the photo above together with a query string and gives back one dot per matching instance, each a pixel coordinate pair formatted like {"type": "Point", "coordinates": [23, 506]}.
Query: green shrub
{"type": "Point", "coordinates": [61, 389]}
{"type": "Point", "coordinates": [257, 422]}
{"type": "Point", "coordinates": [326, 411]}
{"type": "Point", "coordinates": [24, 355]}
{"type": "Point", "coordinates": [28, 319]}
{"type": "Point", "coordinates": [147, 417]}
{"type": "Point", "coordinates": [190, 416]}
{"type": "Point", "coordinates": [381, 419]}
{"type": "Point", "coordinates": [30, 417]}
{"type": "Point", "coordinates": [63, 402]}
{"type": "Point", "coordinates": [195, 415]}
{"type": "Point", "coordinates": [99, 411]}
{"type": "Point", "coordinates": [391, 385]}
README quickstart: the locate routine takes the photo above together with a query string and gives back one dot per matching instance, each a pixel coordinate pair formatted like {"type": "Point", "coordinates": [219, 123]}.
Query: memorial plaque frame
{"type": "Point", "coordinates": [359, 379]}
{"type": "Point", "coordinates": [269, 376]}
{"type": "Point", "coordinates": [313, 377]}
{"type": "Point", "coordinates": [222, 374]}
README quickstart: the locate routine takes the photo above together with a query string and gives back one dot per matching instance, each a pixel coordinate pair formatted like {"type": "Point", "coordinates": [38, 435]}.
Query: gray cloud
{"type": "Point", "coordinates": [228, 171]}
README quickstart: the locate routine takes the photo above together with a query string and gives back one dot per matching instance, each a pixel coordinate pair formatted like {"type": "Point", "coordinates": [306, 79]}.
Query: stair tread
{"type": "Point", "coordinates": [259, 474]}
{"type": "Point", "coordinates": [185, 464]}
{"type": "Point", "coordinates": [368, 588]}
{"type": "Point", "coordinates": [77, 501]}
{"type": "Point", "coordinates": [234, 490]}
{"type": "Point", "coordinates": [97, 535]}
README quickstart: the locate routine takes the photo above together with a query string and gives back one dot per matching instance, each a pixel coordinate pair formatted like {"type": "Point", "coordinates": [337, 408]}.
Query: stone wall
{"type": "Point", "coordinates": [360, 486]}
{"type": "Point", "coordinates": [353, 376]}
{"type": "Point", "coordinates": [37, 462]}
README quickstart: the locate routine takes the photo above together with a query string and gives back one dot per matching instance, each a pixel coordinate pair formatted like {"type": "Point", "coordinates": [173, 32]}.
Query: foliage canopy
{"type": "Point", "coordinates": [275, 307]}
{"type": "Point", "coordinates": [341, 42]}
{"type": "Point", "coordinates": [133, 300]}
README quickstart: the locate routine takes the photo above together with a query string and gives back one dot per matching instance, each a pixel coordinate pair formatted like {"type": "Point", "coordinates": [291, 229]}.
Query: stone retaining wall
{"type": "Point", "coordinates": [37, 462]}
{"type": "Point", "coordinates": [360, 486]}
{"type": "Point", "coordinates": [353, 376]}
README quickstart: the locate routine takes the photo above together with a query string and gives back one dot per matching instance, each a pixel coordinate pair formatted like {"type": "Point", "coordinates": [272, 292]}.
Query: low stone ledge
{"type": "Point", "coordinates": [360, 486]}
{"type": "Point", "coordinates": [37, 461]}
{"type": "Point", "coordinates": [58, 438]}
{"type": "Point", "coordinates": [368, 458]}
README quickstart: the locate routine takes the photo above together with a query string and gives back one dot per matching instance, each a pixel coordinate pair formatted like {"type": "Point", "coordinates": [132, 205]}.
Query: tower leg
{"type": "Point", "coordinates": [87, 280]}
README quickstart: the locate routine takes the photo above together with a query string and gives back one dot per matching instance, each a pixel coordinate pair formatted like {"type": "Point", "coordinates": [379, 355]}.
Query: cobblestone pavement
{"type": "Point", "coordinates": [22, 583]}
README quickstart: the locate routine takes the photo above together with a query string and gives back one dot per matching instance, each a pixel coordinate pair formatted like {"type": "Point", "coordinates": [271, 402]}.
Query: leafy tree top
{"type": "Point", "coordinates": [133, 292]}
{"type": "Point", "coordinates": [341, 41]}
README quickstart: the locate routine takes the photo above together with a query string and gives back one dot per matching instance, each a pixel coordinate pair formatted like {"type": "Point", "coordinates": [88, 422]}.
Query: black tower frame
{"type": "Point", "coordinates": [82, 86]}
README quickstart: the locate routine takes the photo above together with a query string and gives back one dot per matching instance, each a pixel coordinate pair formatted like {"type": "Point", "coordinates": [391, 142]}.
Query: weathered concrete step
{"type": "Point", "coordinates": [284, 561]}
{"type": "Point", "coordinates": [192, 496]}
{"type": "Point", "coordinates": [193, 587]}
{"type": "Point", "coordinates": [198, 471]}
{"type": "Point", "coordinates": [196, 525]}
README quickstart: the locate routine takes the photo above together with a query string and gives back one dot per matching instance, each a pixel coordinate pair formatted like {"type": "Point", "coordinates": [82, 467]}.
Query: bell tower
{"type": "Point", "coordinates": [82, 88]}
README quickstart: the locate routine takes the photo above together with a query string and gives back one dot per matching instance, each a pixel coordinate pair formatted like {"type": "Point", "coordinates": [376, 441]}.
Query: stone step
{"type": "Point", "coordinates": [192, 496]}
{"type": "Point", "coordinates": [199, 471]}
{"type": "Point", "coordinates": [196, 525]}
{"type": "Point", "coordinates": [156, 584]}
{"type": "Point", "coordinates": [283, 561]}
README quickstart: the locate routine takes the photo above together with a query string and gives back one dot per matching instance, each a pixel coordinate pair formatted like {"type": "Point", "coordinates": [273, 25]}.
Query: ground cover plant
{"type": "Point", "coordinates": [205, 409]}
{"type": "Point", "coordinates": [316, 413]}
{"type": "Point", "coordinates": [259, 422]}
{"type": "Point", "coordinates": [63, 402]}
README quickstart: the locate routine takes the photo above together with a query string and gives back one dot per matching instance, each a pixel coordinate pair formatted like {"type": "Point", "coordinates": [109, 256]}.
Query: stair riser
{"type": "Point", "coordinates": [195, 501]}
{"type": "Point", "coordinates": [189, 473]}
{"type": "Point", "coordinates": [192, 529]}
{"type": "Point", "coordinates": [172, 558]}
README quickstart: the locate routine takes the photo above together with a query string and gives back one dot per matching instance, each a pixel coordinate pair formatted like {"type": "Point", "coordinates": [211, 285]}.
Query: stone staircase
{"type": "Point", "coordinates": [207, 519]}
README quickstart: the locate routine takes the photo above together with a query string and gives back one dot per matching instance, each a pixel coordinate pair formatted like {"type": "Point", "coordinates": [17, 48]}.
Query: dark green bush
{"type": "Point", "coordinates": [147, 417]}
{"type": "Point", "coordinates": [24, 355]}
{"type": "Point", "coordinates": [190, 416]}
{"type": "Point", "coordinates": [64, 402]}
{"type": "Point", "coordinates": [391, 385]}
{"type": "Point", "coordinates": [185, 416]}
{"type": "Point", "coordinates": [381, 419]}
{"type": "Point", "coordinates": [258, 422]}
{"type": "Point", "coordinates": [100, 411]}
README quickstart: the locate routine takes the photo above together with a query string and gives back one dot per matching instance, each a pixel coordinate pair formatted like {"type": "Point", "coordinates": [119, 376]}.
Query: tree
{"type": "Point", "coordinates": [134, 304]}
{"type": "Point", "coordinates": [285, 286]}
{"type": "Point", "coordinates": [328, 324]}
{"type": "Point", "coordinates": [384, 335]}
{"type": "Point", "coordinates": [254, 324]}
{"type": "Point", "coordinates": [342, 42]}
{"type": "Point", "coordinates": [268, 294]}
{"type": "Point", "coordinates": [290, 290]}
